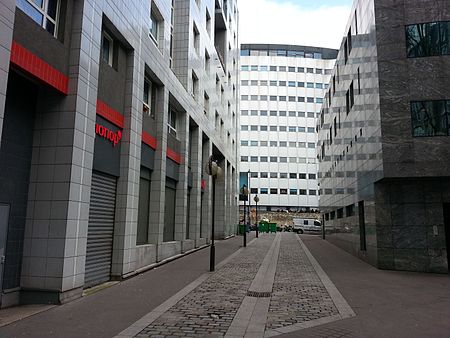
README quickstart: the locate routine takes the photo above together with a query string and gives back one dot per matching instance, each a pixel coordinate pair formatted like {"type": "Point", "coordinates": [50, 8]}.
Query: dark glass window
{"type": "Point", "coordinates": [263, 191]}
{"type": "Point", "coordinates": [423, 39]}
{"type": "Point", "coordinates": [430, 118]}
{"type": "Point", "coordinates": [273, 191]}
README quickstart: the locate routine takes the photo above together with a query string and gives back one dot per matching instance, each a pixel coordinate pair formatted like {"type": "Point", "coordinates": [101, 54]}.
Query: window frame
{"type": "Point", "coordinates": [43, 11]}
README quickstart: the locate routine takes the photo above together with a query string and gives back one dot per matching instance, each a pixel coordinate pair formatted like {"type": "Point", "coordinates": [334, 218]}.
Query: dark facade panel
{"type": "Point", "coordinates": [106, 155]}
{"type": "Point", "coordinates": [111, 84]}
{"type": "Point", "coordinates": [54, 51]}
{"type": "Point", "coordinates": [147, 157]}
{"type": "Point", "coordinates": [15, 162]}
{"type": "Point", "coordinates": [172, 169]}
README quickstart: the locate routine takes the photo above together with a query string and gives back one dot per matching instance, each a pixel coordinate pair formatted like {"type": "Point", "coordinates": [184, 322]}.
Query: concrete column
{"type": "Point", "coordinates": [207, 203]}
{"type": "Point", "coordinates": [196, 169]}
{"type": "Point", "coordinates": [181, 194]}
{"type": "Point", "coordinates": [234, 200]}
{"type": "Point", "coordinates": [158, 183]}
{"type": "Point", "coordinates": [7, 12]}
{"type": "Point", "coordinates": [125, 226]}
{"type": "Point", "coordinates": [221, 193]}
{"type": "Point", "coordinates": [229, 200]}
{"type": "Point", "coordinates": [58, 200]}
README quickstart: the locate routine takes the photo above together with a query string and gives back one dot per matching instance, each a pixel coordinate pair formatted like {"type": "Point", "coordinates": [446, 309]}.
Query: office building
{"type": "Point", "coordinates": [384, 137]}
{"type": "Point", "coordinates": [109, 112]}
{"type": "Point", "coordinates": [282, 89]}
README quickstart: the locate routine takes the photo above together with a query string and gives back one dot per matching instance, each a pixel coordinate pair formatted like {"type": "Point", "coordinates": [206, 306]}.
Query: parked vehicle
{"type": "Point", "coordinates": [302, 225]}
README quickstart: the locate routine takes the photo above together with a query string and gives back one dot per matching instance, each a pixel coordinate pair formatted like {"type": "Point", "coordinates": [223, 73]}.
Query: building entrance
{"type": "Point", "coordinates": [4, 216]}
{"type": "Point", "coordinates": [446, 208]}
{"type": "Point", "coordinates": [100, 229]}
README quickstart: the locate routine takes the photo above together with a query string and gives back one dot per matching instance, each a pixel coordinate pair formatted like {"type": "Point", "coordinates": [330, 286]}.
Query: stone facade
{"type": "Point", "coordinates": [383, 190]}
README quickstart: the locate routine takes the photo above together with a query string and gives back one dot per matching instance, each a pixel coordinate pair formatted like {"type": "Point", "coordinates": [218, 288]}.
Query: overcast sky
{"type": "Point", "coordinates": [319, 23]}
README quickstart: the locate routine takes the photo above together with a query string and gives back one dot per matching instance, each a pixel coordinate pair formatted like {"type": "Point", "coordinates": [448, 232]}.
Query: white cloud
{"type": "Point", "coordinates": [266, 21]}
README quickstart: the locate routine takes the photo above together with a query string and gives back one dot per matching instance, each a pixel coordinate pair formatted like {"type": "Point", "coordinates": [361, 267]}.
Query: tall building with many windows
{"type": "Point", "coordinates": [282, 89]}
{"type": "Point", "coordinates": [109, 112]}
{"type": "Point", "coordinates": [384, 136]}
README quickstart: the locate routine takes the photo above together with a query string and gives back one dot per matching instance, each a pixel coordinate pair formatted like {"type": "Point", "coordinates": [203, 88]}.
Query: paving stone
{"type": "Point", "coordinates": [210, 308]}
{"type": "Point", "coordinates": [298, 294]}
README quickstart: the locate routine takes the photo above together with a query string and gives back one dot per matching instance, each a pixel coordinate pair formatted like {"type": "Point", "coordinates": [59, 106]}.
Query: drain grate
{"type": "Point", "coordinates": [257, 294]}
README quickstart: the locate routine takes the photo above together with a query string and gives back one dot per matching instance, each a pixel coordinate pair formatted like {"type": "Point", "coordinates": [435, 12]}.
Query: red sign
{"type": "Point", "coordinates": [110, 135]}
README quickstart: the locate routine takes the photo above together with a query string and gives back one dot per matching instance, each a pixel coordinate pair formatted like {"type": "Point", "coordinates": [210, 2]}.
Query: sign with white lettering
{"type": "Point", "coordinates": [113, 137]}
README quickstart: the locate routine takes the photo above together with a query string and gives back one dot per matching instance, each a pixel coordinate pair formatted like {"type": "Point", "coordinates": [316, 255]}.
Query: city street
{"type": "Point", "coordinates": [281, 284]}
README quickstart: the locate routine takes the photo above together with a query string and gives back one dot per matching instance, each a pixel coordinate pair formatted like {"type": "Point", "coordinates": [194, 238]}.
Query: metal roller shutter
{"type": "Point", "coordinates": [100, 229]}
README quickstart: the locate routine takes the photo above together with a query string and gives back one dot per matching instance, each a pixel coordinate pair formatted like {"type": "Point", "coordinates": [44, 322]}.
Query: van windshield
{"type": "Point", "coordinates": [317, 223]}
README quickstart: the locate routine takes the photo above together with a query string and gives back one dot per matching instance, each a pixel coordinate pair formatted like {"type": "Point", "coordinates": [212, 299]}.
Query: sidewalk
{"type": "Point", "coordinates": [107, 312]}
{"type": "Point", "coordinates": [387, 303]}
{"type": "Point", "coordinates": [280, 285]}
{"type": "Point", "coordinates": [273, 286]}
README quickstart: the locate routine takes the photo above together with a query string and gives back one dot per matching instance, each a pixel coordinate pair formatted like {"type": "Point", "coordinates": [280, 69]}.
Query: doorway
{"type": "Point", "coordinates": [362, 227]}
{"type": "Point", "coordinates": [4, 217]}
{"type": "Point", "coordinates": [446, 208]}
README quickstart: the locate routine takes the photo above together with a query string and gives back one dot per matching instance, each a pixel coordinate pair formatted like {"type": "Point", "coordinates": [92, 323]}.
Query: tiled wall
{"type": "Point", "coordinates": [63, 147]}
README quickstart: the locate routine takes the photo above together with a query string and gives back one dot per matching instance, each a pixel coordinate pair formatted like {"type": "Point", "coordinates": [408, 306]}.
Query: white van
{"type": "Point", "coordinates": [302, 225]}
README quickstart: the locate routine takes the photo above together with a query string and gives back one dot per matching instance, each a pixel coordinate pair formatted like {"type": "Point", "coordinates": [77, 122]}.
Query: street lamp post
{"type": "Point", "coordinates": [256, 199]}
{"type": "Point", "coordinates": [213, 169]}
{"type": "Point", "coordinates": [244, 191]}
{"type": "Point", "coordinates": [249, 199]}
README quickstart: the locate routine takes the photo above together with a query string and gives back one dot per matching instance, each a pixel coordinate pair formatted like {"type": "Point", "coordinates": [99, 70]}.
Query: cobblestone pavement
{"type": "Point", "coordinates": [298, 294]}
{"type": "Point", "coordinates": [210, 308]}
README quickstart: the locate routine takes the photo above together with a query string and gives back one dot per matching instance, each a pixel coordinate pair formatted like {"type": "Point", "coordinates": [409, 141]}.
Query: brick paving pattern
{"type": "Point", "coordinates": [298, 294]}
{"type": "Point", "coordinates": [210, 308]}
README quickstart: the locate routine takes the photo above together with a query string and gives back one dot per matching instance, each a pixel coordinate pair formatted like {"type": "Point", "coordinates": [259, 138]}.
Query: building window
{"type": "Point", "coordinates": [149, 98]}
{"type": "Point", "coordinates": [196, 39]}
{"type": "Point", "coordinates": [155, 24]}
{"type": "Point", "coordinates": [424, 39]}
{"type": "Point", "coordinates": [107, 48]}
{"type": "Point", "coordinates": [350, 210]}
{"type": "Point", "coordinates": [205, 103]}
{"type": "Point", "coordinates": [273, 175]}
{"type": "Point", "coordinates": [430, 118]}
{"type": "Point", "coordinates": [292, 191]}
{"type": "Point", "coordinates": [264, 175]}
{"type": "Point", "coordinates": [283, 191]}
{"type": "Point", "coordinates": [273, 191]}
{"type": "Point", "coordinates": [283, 175]}
{"type": "Point", "coordinates": [44, 12]}
{"type": "Point", "coordinates": [172, 122]}
{"type": "Point", "coordinates": [194, 86]}
{"type": "Point", "coordinates": [264, 191]}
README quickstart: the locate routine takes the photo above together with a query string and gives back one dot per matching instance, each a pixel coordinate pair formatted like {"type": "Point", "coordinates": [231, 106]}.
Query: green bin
{"type": "Point", "coordinates": [241, 229]}
{"type": "Point", "coordinates": [263, 227]}
{"type": "Point", "coordinates": [272, 227]}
